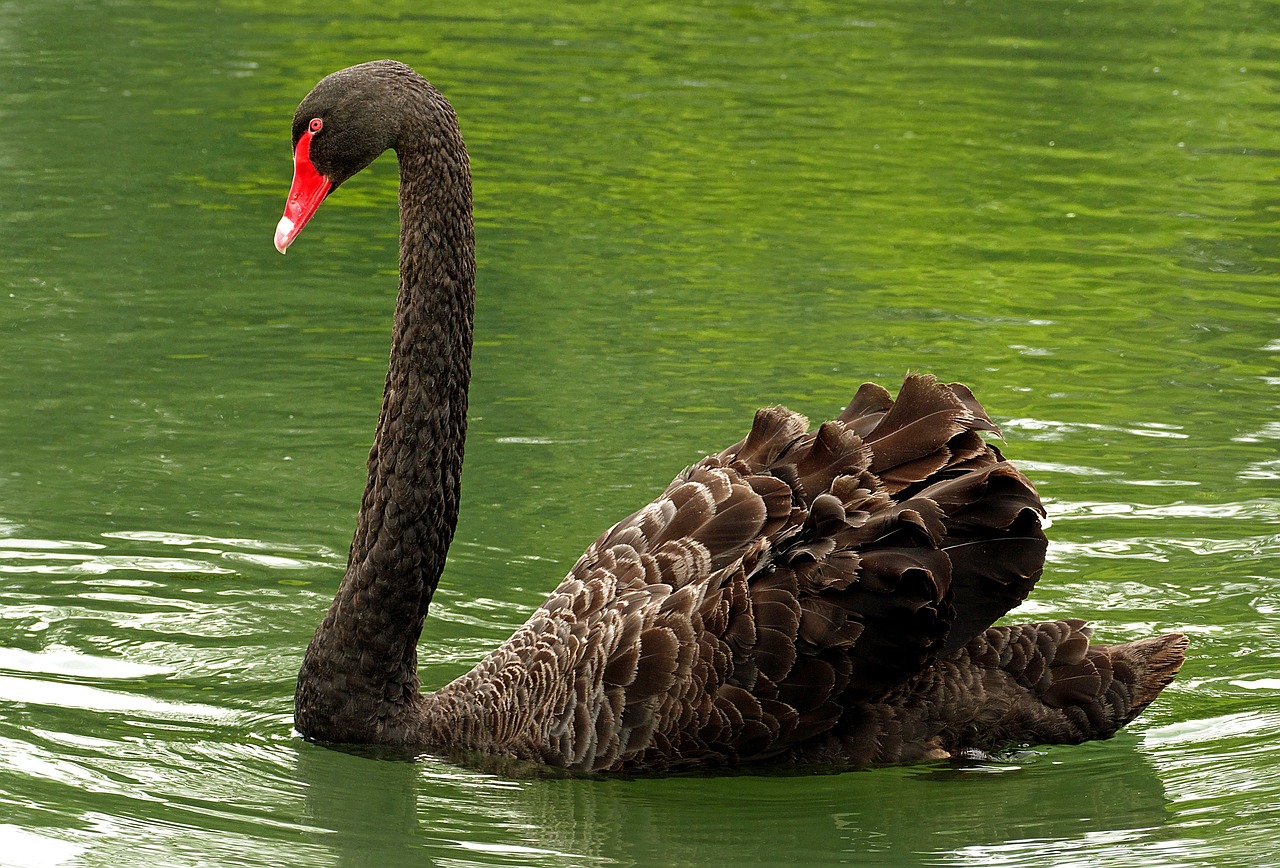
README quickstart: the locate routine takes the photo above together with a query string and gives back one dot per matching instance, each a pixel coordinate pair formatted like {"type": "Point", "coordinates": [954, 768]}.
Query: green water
{"type": "Point", "coordinates": [685, 211]}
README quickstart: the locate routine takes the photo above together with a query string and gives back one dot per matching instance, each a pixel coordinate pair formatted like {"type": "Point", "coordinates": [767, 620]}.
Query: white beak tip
{"type": "Point", "coordinates": [284, 234]}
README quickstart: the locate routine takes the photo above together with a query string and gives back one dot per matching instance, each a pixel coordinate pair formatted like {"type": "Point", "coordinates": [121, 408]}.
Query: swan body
{"type": "Point", "coordinates": [805, 596]}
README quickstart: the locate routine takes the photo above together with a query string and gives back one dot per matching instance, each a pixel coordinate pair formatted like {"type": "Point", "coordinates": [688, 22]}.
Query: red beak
{"type": "Point", "coordinates": [308, 191]}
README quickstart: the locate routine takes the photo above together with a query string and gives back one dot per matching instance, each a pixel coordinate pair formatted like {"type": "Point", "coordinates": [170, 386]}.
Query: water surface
{"type": "Point", "coordinates": [684, 212]}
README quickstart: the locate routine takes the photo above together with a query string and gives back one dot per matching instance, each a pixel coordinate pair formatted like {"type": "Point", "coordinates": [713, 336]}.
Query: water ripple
{"type": "Point", "coordinates": [1265, 509]}
{"type": "Point", "coordinates": [1047, 429]}
{"type": "Point", "coordinates": [27, 849]}
{"type": "Point", "coordinates": [34, 691]}
{"type": "Point", "coordinates": [59, 661]}
{"type": "Point", "coordinates": [1162, 548]}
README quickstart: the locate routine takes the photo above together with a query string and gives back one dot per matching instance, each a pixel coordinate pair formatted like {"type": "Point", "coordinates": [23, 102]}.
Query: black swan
{"type": "Point", "coordinates": [803, 597]}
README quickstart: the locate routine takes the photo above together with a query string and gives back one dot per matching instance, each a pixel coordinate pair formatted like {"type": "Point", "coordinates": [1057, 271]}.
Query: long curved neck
{"type": "Point", "coordinates": [410, 504]}
{"type": "Point", "coordinates": [360, 671]}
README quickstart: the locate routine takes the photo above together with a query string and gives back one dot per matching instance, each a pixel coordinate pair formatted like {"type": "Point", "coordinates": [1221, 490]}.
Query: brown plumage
{"type": "Point", "coordinates": [819, 596]}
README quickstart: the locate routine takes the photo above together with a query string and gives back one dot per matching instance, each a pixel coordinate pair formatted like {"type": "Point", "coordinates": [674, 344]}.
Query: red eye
{"type": "Point", "coordinates": [315, 125]}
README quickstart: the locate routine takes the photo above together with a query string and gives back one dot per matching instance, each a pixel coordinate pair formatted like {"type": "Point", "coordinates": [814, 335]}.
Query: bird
{"type": "Point", "coordinates": [809, 596]}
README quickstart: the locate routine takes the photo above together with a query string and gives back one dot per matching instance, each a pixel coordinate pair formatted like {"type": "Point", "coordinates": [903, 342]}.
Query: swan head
{"type": "Point", "coordinates": [349, 119]}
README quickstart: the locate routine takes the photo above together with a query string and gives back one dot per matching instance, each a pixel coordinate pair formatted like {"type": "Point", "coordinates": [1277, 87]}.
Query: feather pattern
{"type": "Point", "coordinates": [779, 601]}
{"type": "Point", "coordinates": [818, 595]}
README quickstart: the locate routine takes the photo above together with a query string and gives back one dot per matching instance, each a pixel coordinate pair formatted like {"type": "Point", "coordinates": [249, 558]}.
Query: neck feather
{"type": "Point", "coordinates": [360, 673]}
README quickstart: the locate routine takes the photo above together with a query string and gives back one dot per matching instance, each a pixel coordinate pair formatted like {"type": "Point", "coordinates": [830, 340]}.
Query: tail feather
{"type": "Point", "coordinates": [1160, 658]}
{"type": "Point", "coordinates": [1058, 689]}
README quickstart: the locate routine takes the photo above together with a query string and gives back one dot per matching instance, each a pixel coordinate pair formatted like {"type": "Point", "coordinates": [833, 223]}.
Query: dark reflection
{"type": "Point", "coordinates": [886, 816]}
{"type": "Point", "coordinates": [1027, 805]}
{"type": "Point", "coordinates": [361, 808]}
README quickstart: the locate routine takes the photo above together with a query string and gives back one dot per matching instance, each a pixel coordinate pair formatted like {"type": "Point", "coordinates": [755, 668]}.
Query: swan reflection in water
{"type": "Point", "coordinates": [1026, 808]}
